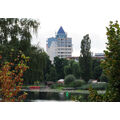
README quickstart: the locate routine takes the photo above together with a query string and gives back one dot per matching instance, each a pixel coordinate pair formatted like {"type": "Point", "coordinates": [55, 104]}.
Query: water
{"type": "Point", "coordinates": [36, 96]}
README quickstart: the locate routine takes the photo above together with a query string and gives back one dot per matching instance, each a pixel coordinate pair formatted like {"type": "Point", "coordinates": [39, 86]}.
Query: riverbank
{"type": "Point", "coordinates": [63, 91]}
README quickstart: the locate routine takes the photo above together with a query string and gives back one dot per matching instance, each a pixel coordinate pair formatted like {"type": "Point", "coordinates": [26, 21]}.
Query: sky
{"type": "Point", "coordinates": [77, 17]}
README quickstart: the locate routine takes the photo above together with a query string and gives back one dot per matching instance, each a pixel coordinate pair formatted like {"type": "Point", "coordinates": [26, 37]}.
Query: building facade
{"type": "Point", "coordinates": [99, 56]}
{"type": "Point", "coordinates": [60, 45]}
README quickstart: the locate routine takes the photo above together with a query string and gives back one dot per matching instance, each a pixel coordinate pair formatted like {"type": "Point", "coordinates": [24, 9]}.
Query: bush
{"type": "Point", "coordinates": [69, 79]}
{"type": "Point", "coordinates": [103, 78]}
{"type": "Point", "coordinates": [77, 83]}
{"type": "Point", "coordinates": [57, 85]}
{"type": "Point", "coordinates": [95, 86]}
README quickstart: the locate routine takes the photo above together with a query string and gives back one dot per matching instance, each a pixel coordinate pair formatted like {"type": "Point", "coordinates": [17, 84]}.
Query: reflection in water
{"type": "Point", "coordinates": [61, 95]}
{"type": "Point", "coordinates": [51, 96]}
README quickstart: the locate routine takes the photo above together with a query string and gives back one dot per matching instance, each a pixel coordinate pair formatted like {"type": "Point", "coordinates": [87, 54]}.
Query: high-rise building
{"type": "Point", "coordinates": [60, 45]}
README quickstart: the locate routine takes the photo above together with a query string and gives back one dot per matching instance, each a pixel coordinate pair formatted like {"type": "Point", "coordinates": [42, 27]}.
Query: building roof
{"type": "Point", "coordinates": [61, 31]}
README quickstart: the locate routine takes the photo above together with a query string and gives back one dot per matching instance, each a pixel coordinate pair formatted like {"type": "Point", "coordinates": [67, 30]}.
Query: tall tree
{"type": "Point", "coordinates": [85, 58]}
{"type": "Point", "coordinates": [111, 65]}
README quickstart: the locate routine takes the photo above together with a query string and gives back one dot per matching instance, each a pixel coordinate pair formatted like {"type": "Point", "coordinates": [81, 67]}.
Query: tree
{"type": "Point", "coordinates": [38, 67]}
{"type": "Point", "coordinates": [97, 72]}
{"type": "Point", "coordinates": [14, 29]}
{"type": "Point", "coordinates": [103, 78]}
{"type": "Point", "coordinates": [72, 68]}
{"type": "Point", "coordinates": [85, 58]}
{"type": "Point", "coordinates": [11, 78]}
{"type": "Point", "coordinates": [112, 62]}
{"type": "Point", "coordinates": [76, 70]}
{"type": "Point", "coordinates": [95, 63]}
{"type": "Point", "coordinates": [67, 70]}
{"type": "Point", "coordinates": [59, 64]}
{"type": "Point", "coordinates": [47, 68]}
{"type": "Point", "coordinates": [69, 79]}
{"type": "Point", "coordinates": [16, 34]}
{"type": "Point", "coordinates": [111, 66]}
{"type": "Point", "coordinates": [52, 75]}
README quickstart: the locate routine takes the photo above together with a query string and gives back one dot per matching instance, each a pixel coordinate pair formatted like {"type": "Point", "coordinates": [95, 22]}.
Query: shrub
{"type": "Point", "coordinates": [103, 78]}
{"type": "Point", "coordinates": [77, 83]}
{"type": "Point", "coordinates": [95, 86]}
{"type": "Point", "coordinates": [69, 79]}
{"type": "Point", "coordinates": [57, 85]}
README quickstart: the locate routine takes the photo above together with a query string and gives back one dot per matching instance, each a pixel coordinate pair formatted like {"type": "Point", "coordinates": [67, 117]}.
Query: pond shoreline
{"type": "Point", "coordinates": [63, 91]}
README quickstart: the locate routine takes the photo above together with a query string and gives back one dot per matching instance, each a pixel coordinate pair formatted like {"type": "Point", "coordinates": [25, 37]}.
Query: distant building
{"type": "Point", "coordinates": [75, 58]}
{"type": "Point", "coordinates": [60, 45]}
{"type": "Point", "coordinates": [96, 56]}
{"type": "Point", "coordinates": [99, 56]}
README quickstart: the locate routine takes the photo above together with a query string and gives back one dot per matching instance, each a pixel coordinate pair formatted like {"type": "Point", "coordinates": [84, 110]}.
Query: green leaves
{"type": "Point", "coordinates": [111, 65]}
{"type": "Point", "coordinates": [85, 58]}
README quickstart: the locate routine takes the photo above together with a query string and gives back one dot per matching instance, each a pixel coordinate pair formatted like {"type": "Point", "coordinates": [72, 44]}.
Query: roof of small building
{"type": "Point", "coordinates": [61, 80]}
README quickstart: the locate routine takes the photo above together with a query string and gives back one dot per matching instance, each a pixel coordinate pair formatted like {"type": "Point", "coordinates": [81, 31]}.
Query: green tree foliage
{"type": "Point", "coordinates": [85, 58]}
{"type": "Point", "coordinates": [97, 72]}
{"type": "Point", "coordinates": [59, 64]}
{"type": "Point", "coordinates": [38, 66]}
{"type": "Point", "coordinates": [76, 70]}
{"type": "Point", "coordinates": [111, 66]}
{"type": "Point", "coordinates": [47, 68]}
{"type": "Point", "coordinates": [77, 83]}
{"type": "Point", "coordinates": [67, 70]}
{"type": "Point", "coordinates": [95, 63]}
{"type": "Point", "coordinates": [69, 79]}
{"type": "Point", "coordinates": [17, 32]}
{"type": "Point", "coordinates": [72, 68]}
{"type": "Point", "coordinates": [103, 78]}
{"type": "Point", "coordinates": [15, 35]}
{"type": "Point", "coordinates": [52, 75]}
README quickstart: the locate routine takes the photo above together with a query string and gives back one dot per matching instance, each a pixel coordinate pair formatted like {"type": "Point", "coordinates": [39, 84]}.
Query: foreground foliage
{"type": "Point", "coordinates": [111, 66]}
{"type": "Point", "coordinates": [11, 80]}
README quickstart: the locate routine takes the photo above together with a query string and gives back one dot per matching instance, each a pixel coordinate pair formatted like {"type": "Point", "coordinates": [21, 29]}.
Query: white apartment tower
{"type": "Point", "coordinates": [60, 45]}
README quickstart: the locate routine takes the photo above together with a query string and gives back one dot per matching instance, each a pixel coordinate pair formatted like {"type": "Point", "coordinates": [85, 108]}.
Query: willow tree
{"type": "Point", "coordinates": [85, 58]}
{"type": "Point", "coordinates": [16, 34]}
